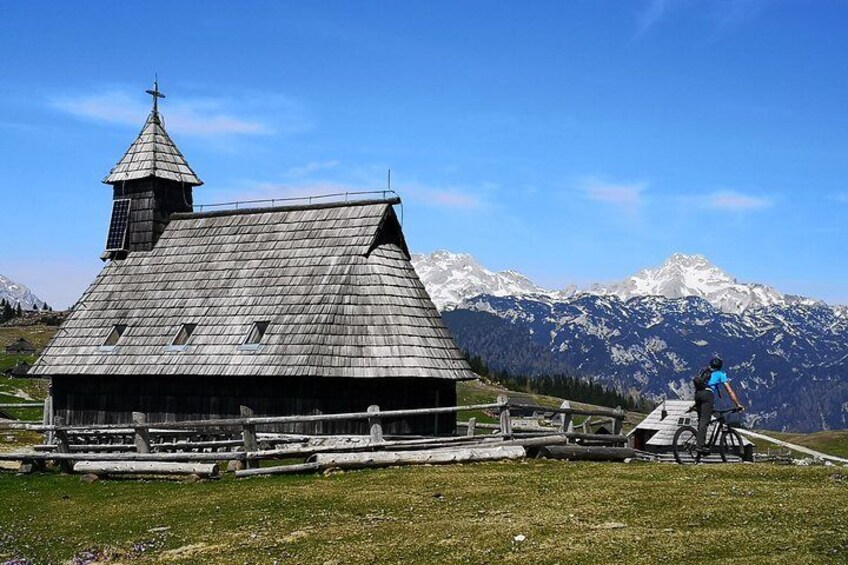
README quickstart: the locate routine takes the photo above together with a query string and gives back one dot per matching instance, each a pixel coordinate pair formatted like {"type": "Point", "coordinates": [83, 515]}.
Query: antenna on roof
{"type": "Point", "coordinates": [155, 93]}
{"type": "Point", "coordinates": [390, 180]}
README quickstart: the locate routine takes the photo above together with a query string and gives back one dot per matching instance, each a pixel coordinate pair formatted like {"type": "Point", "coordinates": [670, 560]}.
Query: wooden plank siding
{"type": "Point", "coordinates": [95, 400]}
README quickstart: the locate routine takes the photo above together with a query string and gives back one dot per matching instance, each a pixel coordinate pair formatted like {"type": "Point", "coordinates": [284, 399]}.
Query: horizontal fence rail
{"type": "Point", "coordinates": [235, 440]}
{"type": "Point", "coordinates": [257, 420]}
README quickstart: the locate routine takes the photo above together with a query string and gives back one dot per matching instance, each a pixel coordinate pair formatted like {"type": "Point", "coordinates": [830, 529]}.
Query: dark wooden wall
{"type": "Point", "coordinates": [153, 202]}
{"type": "Point", "coordinates": [84, 400]}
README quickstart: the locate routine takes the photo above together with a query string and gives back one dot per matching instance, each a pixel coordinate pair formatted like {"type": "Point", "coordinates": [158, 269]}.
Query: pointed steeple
{"type": "Point", "coordinates": [153, 153]}
{"type": "Point", "coordinates": [151, 182]}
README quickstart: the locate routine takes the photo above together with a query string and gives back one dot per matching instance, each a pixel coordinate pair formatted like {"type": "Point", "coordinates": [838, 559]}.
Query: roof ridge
{"type": "Point", "coordinates": [285, 208]}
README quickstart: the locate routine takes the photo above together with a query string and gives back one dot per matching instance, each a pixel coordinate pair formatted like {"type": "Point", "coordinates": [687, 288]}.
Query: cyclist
{"type": "Point", "coordinates": [705, 399]}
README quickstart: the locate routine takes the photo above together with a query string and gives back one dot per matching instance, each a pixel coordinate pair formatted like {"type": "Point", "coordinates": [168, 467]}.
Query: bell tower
{"type": "Point", "coordinates": [150, 182]}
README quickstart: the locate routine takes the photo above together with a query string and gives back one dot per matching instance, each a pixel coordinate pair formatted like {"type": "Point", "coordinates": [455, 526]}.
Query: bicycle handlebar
{"type": "Point", "coordinates": [728, 411]}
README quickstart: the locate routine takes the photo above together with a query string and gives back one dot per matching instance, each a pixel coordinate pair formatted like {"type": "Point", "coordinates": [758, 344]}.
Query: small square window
{"type": "Point", "coordinates": [257, 332]}
{"type": "Point", "coordinates": [253, 341]}
{"type": "Point", "coordinates": [114, 337]}
{"type": "Point", "coordinates": [182, 337]}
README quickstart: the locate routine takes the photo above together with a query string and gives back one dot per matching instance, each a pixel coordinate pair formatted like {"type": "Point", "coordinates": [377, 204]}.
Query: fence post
{"type": "Point", "coordinates": [375, 424]}
{"type": "Point", "coordinates": [618, 421]}
{"type": "Point", "coordinates": [566, 425]}
{"type": "Point", "coordinates": [62, 445]}
{"type": "Point", "coordinates": [505, 419]}
{"type": "Point", "coordinates": [46, 418]}
{"type": "Point", "coordinates": [142, 435]}
{"type": "Point", "coordinates": [248, 434]}
{"type": "Point", "coordinates": [472, 427]}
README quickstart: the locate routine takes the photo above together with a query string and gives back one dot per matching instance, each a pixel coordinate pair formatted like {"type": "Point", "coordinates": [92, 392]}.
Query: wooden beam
{"type": "Point", "coordinates": [248, 434]}
{"type": "Point", "coordinates": [206, 470]}
{"type": "Point", "coordinates": [423, 457]}
{"type": "Point", "coordinates": [279, 470]}
{"type": "Point", "coordinates": [587, 453]}
{"type": "Point", "coordinates": [504, 417]}
{"type": "Point", "coordinates": [375, 424]}
{"type": "Point", "coordinates": [141, 437]}
{"type": "Point", "coordinates": [62, 445]}
{"type": "Point", "coordinates": [238, 422]}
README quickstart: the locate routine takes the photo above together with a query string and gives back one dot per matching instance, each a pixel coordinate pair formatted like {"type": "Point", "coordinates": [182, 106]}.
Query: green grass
{"type": "Point", "coordinates": [831, 442]}
{"type": "Point", "coordinates": [14, 391]}
{"type": "Point", "coordinates": [37, 335]}
{"type": "Point", "coordinates": [481, 392]}
{"type": "Point", "coordinates": [569, 513]}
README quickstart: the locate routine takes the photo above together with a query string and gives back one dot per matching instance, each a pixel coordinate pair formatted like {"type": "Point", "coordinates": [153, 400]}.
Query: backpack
{"type": "Point", "coordinates": [701, 379]}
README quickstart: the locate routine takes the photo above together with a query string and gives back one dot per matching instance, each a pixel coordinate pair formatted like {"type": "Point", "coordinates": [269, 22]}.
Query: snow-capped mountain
{"type": "Point", "coordinates": [787, 355]}
{"type": "Point", "coordinates": [788, 363]}
{"type": "Point", "coordinates": [451, 278]}
{"type": "Point", "coordinates": [682, 276]}
{"type": "Point", "coordinates": [16, 293]}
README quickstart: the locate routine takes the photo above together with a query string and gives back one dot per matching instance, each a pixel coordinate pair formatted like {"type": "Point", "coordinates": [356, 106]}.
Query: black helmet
{"type": "Point", "coordinates": [716, 363]}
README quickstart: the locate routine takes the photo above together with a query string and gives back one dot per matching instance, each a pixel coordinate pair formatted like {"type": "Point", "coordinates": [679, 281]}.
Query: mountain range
{"type": "Point", "coordinates": [649, 333]}
{"type": "Point", "coordinates": [15, 293]}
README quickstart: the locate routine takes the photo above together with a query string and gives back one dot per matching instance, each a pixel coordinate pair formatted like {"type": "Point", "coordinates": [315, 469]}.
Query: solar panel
{"type": "Point", "coordinates": [117, 240]}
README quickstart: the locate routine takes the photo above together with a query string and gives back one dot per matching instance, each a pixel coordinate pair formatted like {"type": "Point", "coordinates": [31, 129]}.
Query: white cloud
{"type": "Point", "coordinates": [311, 167]}
{"type": "Point", "coordinates": [449, 197]}
{"type": "Point", "coordinates": [723, 15]}
{"type": "Point", "coordinates": [282, 193]}
{"type": "Point", "coordinates": [627, 196]}
{"type": "Point", "coordinates": [201, 117]}
{"type": "Point", "coordinates": [732, 201]}
{"type": "Point", "coordinates": [652, 13]}
{"type": "Point", "coordinates": [306, 191]}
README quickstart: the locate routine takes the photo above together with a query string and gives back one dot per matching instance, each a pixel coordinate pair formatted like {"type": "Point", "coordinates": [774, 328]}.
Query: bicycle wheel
{"type": "Point", "coordinates": [685, 446]}
{"type": "Point", "coordinates": [730, 445]}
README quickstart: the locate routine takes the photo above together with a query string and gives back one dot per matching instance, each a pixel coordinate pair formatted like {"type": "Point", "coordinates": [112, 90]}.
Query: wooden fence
{"type": "Point", "coordinates": [186, 446]}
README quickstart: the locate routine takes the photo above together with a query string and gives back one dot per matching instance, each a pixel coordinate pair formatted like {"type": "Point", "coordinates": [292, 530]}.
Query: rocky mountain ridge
{"type": "Point", "coordinates": [15, 293]}
{"type": "Point", "coordinates": [786, 355]}
{"type": "Point", "coordinates": [452, 278]}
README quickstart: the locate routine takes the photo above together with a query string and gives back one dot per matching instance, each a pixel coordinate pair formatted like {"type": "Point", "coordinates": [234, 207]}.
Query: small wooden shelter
{"type": "Point", "coordinates": [21, 347]}
{"type": "Point", "coordinates": [18, 371]}
{"type": "Point", "coordinates": [655, 433]}
{"type": "Point", "coordinates": [286, 310]}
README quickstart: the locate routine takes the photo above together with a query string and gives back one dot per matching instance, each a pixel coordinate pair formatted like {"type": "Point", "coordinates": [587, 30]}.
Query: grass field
{"type": "Point", "coordinates": [568, 513]}
{"type": "Point", "coordinates": [830, 442]}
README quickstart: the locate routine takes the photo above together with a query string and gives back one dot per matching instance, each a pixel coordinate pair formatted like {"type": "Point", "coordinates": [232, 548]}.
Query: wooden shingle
{"type": "Point", "coordinates": [334, 281]}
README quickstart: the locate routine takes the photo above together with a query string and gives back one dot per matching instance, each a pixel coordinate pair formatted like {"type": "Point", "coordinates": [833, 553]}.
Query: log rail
{"type": "Point", "coordinates": [142, 446]}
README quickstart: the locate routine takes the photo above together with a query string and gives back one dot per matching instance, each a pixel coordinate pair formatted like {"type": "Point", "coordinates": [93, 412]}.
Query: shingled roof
{"type": "Point", "coordinates": [677, 414]}
{"type": "Point", "coordinates": [153, 154]}
{"type": "Point", "coordinates": [334, 281]}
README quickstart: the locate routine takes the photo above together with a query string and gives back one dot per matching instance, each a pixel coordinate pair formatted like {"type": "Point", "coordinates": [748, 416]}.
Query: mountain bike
{"type": "Point", "coordinates": [728, 440]}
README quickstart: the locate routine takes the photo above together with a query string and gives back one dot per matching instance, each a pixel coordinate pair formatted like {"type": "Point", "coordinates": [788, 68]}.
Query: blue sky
{"type": "Point", "coordinates": [572, 141]}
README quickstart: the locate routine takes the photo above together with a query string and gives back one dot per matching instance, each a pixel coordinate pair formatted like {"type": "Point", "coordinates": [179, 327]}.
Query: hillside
{"type": "Point", "coordinates": [566, 512]}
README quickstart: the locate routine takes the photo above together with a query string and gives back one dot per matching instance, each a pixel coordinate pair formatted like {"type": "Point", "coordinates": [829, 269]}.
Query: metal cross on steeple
{"type": "Point", "coordinates": [155, 94]}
